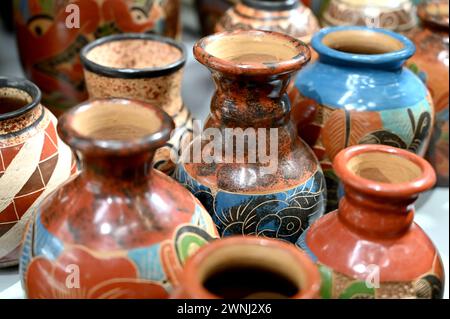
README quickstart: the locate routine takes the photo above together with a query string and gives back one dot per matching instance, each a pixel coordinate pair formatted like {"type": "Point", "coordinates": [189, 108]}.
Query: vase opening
{"type": "Point", "coordinates": [272, 5]}
{"type": "Point", "coordinates": [17, 97]}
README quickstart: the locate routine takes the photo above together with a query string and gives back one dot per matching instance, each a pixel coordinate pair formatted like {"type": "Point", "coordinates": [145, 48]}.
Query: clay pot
{"type": "Point", "coordinates": [395, 15]}
{"type": "Point", "coordinates": [277, 195]}
{"type": "Point", "coordinates": [210, 12]}
{"type": "Point", "coordinates": [144, 67]}
{"type": "Point", "coordinates": [431, 63]}
{"type": "Point", "coordinates": [49, 48]}
{"type": "Point", "coordinates": [370, 247]}
{"type": "Point", "coordinates": [121, 228]}
{"type": "Point", "coordinates": [249, 268]}
{"type": "Point", "coordinates": [33, 161]}
{"type": "Point", "coordinates": [285, 16]}
{"type": "Point", "coordinates": [369, 98]}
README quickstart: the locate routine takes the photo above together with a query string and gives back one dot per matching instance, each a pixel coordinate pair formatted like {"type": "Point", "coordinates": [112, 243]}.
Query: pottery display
{"type": "Point", "coordinates": [144, 67]}
{"type": "Point", "coordinates": [249, 268]}
{"type": "Point", "coordinates": [431, 63]}
{"type": "Point", "coordinates": [210, 12]}
{"type": "Point", "coordinates": [380, 251]}
{"type": "Point", "coordinates": [121, 228]}
{"type": "Point", "coordinates": [369, 97]}
{"type": "Point", "coordinates": [49, 47]}
{"type": "Point", "coordinates": [395, 15]}
{"type": "Point", "coordinates": [33, 161]}
{"type": "Point", "coordinates": [282, 190]}
{"type": "Point", "coordinates": [285, 16]}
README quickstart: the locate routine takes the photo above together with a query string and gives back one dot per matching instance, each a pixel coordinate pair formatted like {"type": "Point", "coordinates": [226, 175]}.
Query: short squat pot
{"type": "Point", "coordinates": [261, 179]}
{"type": "Point", "coordinates": [144, 67]}
{"type": "Point", "coordinates": [33, 161]}
{"type": "Point", "coordinates": [249, 268]}
{"type": "Point", "coordinates": [371, 247]}
{"type": "Point", "coordinates": [358, 92]}
{"type": "Point", "coordinates": [121, 228]}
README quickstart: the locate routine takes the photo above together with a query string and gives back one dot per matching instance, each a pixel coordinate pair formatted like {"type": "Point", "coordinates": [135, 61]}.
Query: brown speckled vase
{"type": "Point", "coordinates": [249, 268]}
{"type": "Point", "coordinates": [431, 63]}
{"type": "Point", "coordinates": [370, 247]}
{"type": "Point", "coordinates": [144, 67]}
{"type": "Point", "coordinates": [246, 195]}
{"type": "Point", "coordinates": [33, 161]}
{"type": "Point", "coordinates": [122, 228]}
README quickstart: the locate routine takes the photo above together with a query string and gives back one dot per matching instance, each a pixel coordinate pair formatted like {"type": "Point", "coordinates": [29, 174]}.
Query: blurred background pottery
{"type": "Point", "coordinates": [431, 63]}
{"type": "Point", "coordinates": [286, 16]}
{"type": "Point", "coordinates": [210, 12]}
{"type": "Point", "coordinates": [380, 251]}
{"type": "Point", "coordinates": [127, 227]}
{"type": "Point", "coordinates": [280, 192]}
{"type": "Point", "coordinates": [144, 67]}
{"type": "Point", "coordinates": [249, 268]}
{"type": "Point", "coordinates": [317, 6]}
{"type": "Point", "coordinates": [395, 15]}
{"type": "Point", "coordinates": [33, 161]}
{"type": "Point", "coordinates": [6, 14]}
{"type": "Point", "coordinates": [49, 49]}
{"type": "Point", "coordinates": [358, 92]}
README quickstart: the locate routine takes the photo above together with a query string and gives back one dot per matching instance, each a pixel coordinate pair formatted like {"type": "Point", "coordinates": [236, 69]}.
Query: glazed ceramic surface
{"type": "Point", "coordinates": [396, 15]}
{"type": "Point", "coordinates": [285, 16]}
{"type": "Point", "coordinates": [120, 229]}
{"type": "Point", "coordinates": [254, 256]}
{"type": "Point", "coordinates": [210, 12]}
{"type": "Point", "coordinates": [49, 49]}
{"type": "Point", "coordinates": [33, 162]}
{"type": "Point", "coordinates": [144, 67]}
{"type": "Point", "coordinates": [431, 63]}
{"type": "Point", "coordinates": [359, 93]}
{"type": "Point", "coordinates": [370, 247]}
{"type": "Point", "coordinates": [240, 193]}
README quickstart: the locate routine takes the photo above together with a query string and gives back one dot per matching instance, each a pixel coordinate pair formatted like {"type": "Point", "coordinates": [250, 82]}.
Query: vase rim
{"type": "Point", "coordinates": [301, 53]}
{"type": "Point", "coordinates": [272, 5]}
{"type": "Point", "coordinates": [310, 279]}
{"type": "Point", "coordinates": [85, 143]}
{"type": "Point", "coordinates": [22, 85]}
{"type": "Point", "coordinates": [129, 73]}
{"type": "Point", "coordinates": [395, 56]}
{"type": "Point", "coordinates": [421, 180]}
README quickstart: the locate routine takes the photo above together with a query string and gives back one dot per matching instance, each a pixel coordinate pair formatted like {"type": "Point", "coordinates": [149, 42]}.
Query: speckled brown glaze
{"type": "Point", "coordinates": [147, 68]}
{"type": "Point", "coordinates": [380, 251]}
{"type": "Point", "coordinates": [33, 162]}
{"type": "Point", "coordinates": [128, 227]}
{"type": "Point", "coordinates": [251, 82]}
{"type": "Point", "coordinates": [431, 63]}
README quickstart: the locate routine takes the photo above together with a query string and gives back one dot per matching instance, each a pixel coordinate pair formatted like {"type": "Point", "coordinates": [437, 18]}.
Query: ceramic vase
{"type": "Point", "coordinates": [249, 268]}
{"type": "Point", "coordinates": [248, 167]}
{"type": "Point", "coordinates": [395, 15]}
{"type": "Point", "coordinates": [51, 34]}
{"type": "Point", "coordinates": [380, 251]}
{"type": "Point", "coordinates": [210, 12]}
{"type": "Point", "coordinates": [121, 228]}
{"type": "Point", "coordinates": [358, 92]}
{"type": "Point", "coordinates": [33, 161]}
{"type": "Point", "coordinates": [431, 63]}
{"type": "Point", "coordinates": [144, 67]}
{"type": "Point", "coordinates": [285, 16]}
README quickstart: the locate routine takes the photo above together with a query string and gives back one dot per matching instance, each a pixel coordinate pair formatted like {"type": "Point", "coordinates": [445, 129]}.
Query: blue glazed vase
{"type": "Point", "coordinates": [358, 92]}
{"type": "Point", "coordinates": [245, 196]}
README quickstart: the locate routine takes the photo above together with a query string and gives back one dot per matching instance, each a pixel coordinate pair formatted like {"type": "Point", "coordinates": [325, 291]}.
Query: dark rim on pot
{"type": "Point", "coordinates": [272, 5]}
{"type": "Point", "coordinates": [125, 73]}
{"type": "Point", "coordinates": [23, 85]}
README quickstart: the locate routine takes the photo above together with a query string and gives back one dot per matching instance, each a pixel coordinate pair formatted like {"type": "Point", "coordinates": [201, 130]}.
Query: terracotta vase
{"type": "Point", "coordinates": [144, 67]}
{"type": "Point", "coordinates": [369, 97]}
{"type": "Point", "coordinates": [247, 185]}
{"type": "Point", "coordinates": [249, 268]}
{"type": "Point", "coordinates": [33, 161]}
{"type": "Point", "coordinates": [49, 47]}
{"type": "Point", "coordinates": [121, 228]}
{"type": "Point", "coordinates": [431, 63]}
{"type": "Point", "coordinates": [210, 12]}
{"type": "Point", "coordinates": [371, 247]}
{"type": "Point", "coordinates": [395, 15]}
{"type": "Point", "coordinates": [285, 16]}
